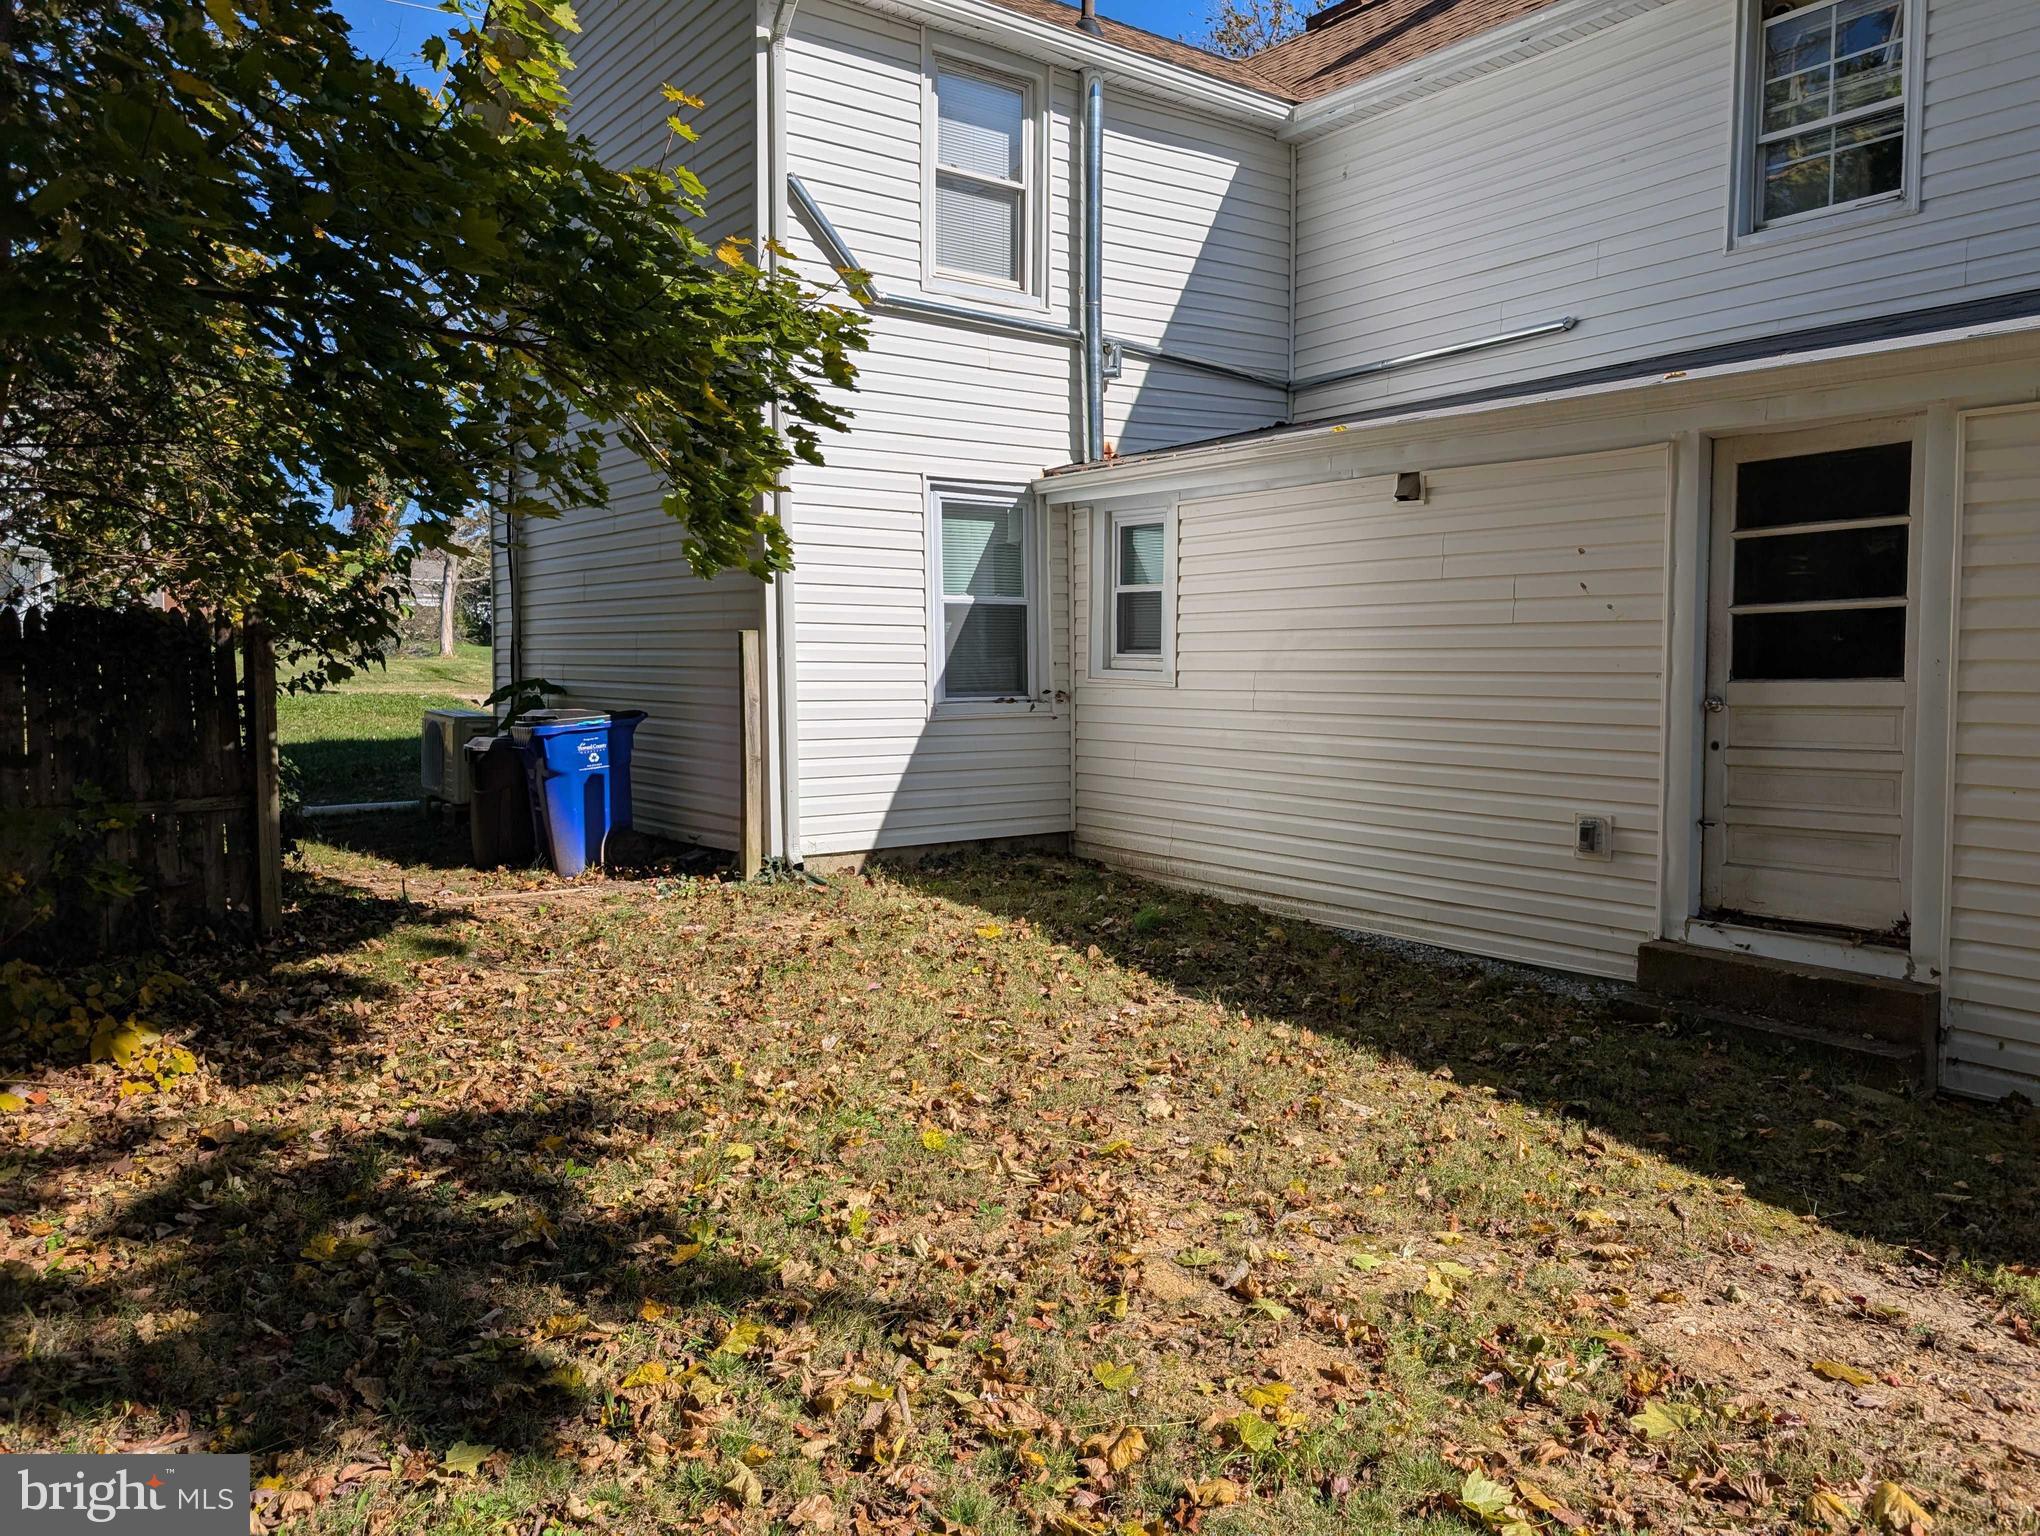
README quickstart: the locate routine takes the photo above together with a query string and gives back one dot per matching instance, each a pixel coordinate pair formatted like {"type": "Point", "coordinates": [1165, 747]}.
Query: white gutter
{"type": "Point", "coordinates": [784, 599]}
{"type": "Point", "coordinates": [1080, 51]}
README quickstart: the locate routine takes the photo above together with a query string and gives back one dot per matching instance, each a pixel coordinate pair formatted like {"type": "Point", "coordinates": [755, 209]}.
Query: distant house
{"type": "Point", "coordinates": [1545, 477]}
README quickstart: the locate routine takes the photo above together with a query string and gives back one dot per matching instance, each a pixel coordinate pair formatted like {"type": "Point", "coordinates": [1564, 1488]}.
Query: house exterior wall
{"type": "Point", "coordinates": [1357, 733]}
{"type": "Point", "coordinates": [1386, 715]}
{"type": "Point", "coordinates": [1596, 181]}
{"type": "Point", "coordinates": [604, 603]}
{"type": "Point", "coordinates": [1196, 257]}
{"type": "Point", "coordinates": [1993, 981]}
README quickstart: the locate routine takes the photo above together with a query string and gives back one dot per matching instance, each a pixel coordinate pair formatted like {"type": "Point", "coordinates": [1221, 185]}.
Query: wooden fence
{"type": "Point", "coordinates": [138, 779]}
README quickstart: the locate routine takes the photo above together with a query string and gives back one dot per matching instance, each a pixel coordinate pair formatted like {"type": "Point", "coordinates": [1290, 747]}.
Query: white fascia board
{"type": "Point", "coordinates": [1538, 32]}
{"type": "Point", "coordinates": [1172, 469]}
{"type": "Point", "coordinates": [1074, 50]}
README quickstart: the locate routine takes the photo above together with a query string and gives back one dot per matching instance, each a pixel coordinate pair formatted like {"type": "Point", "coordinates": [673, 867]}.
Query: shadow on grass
{"type": "Point", "coordinates": [1956, 1180]}
{"type": "Point", "coordinates": [425, 1279]}
{"type": "Point", "coordinates": [339, 771]}
{"type": "Point", "coordinates": [436, 837]}
{"type": "Point", "coordinates": [404, 1280]}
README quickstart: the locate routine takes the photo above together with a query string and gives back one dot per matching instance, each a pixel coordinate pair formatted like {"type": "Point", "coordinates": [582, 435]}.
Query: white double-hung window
{"type": "Point", "coordinates": [983, 611]}
{"type": "Point", "coordinates": [1830, 106]}
{"type": "Point", "coordinates": [1133, 593]}
{"type": "Point", "coordinates": [1139, 576]}
{"type": "Point", "coordinates": [981, 182]}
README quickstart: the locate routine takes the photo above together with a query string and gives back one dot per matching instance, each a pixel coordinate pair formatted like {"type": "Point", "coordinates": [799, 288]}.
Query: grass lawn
{"type": "Point", "coordinates": [1006, 1195]}
{"type": "Point", "coordinates": [359, 741]}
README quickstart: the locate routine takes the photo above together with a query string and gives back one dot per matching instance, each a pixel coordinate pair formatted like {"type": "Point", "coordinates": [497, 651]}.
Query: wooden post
{"type": "Point", "coordinates": [751, 752]}
{"type": "Point", "coordinates": [260, 674]}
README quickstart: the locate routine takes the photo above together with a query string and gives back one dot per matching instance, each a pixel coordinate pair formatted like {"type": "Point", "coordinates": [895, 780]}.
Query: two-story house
{"type": "Point", "coordinates": [1558, 479]}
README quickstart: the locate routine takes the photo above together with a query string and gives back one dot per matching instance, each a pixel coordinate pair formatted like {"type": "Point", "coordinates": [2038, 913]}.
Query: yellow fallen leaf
{"type": "Point", "coordinates": [651, 1374]}
{"type": "Point", "coordinates": [991, 931]}
{"type": "Point", "coordinates": [743, 1489]}
{"type": "Point", "coordinates": [1215, 1493]}
{"type": "Point", "coordinates": [1112, 1376]}
{"type": "Point", "coordinates": [756, 1455]}
{"type": "Point", "coordinates": [740, 1151]}
{"type": "Point", "coordinates": [1892, 1508]}
{"type": "Point", "coordinates": [465, 1460]}
{"type": "Point", "coordinates": [1827, 1508]}
{"type": "Point", "coordinates": [1267, 1394]}
{"type": "Point", "coordinates": [934, 1138]}
{"type": "Point", "coordinates": [12, 1103]}
{"type": "Point", "coordinates": [652, 1311]}
{"type": "Point", "coordinates": [1835, 1370]}
{"type": "Point", "coordinates": [1118, 1448]}
{"type": "Point", "coordinates": [741, 1339]}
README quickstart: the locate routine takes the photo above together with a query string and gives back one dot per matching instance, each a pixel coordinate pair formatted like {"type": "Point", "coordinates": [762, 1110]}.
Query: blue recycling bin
{"type": "Point", "coordinates": [578, 768]}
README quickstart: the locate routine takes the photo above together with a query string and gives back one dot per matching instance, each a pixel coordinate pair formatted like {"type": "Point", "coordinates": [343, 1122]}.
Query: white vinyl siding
{"type": "Point", "coordinates": [1993, 972]}
{"type": "Point", "coordinates": [1395, 732]}
{"type": "Point", "coordinates": [880, 764]}
{"type": "Point", "coordinates": [1595, 181]}
{"type": "Point", "coordinates": [605, 603]}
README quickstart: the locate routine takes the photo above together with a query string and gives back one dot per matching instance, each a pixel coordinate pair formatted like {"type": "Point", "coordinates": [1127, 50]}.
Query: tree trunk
{"type": "Point", "coordinates": [449, 593]}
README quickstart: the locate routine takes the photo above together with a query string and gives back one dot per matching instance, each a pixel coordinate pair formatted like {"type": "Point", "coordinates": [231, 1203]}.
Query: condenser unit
{"type": "Point", "coordinates": [442, 758]}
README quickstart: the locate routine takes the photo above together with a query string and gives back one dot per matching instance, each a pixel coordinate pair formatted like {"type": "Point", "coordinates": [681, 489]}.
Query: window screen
{"type": "Point", "coordinates": [983, 561]}
{"type": "Point", "coordinates": [981, 167]}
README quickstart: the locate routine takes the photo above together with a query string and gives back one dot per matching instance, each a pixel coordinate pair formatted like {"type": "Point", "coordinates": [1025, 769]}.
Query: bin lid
{"type": "Point", "coordinates": [556, 719]}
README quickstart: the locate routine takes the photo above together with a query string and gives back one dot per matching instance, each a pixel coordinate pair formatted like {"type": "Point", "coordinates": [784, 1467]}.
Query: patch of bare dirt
{"type": "Point", "coordinates": [1796, 1336]}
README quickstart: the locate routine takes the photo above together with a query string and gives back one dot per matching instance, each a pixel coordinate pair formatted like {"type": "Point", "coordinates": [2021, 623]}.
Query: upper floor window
{"type": "Point", "coordinates": [982, 184]}
{"type": "Point", "coordinates": [1831, 106]}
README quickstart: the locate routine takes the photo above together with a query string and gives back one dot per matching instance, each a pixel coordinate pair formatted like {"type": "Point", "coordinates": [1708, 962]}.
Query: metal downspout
{"type": "Point", "coordinates": [1094, 267]}
{"type": "Point", "coordinates": [785, 610]}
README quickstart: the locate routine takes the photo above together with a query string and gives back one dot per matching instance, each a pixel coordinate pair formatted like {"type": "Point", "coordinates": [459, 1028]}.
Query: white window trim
{"type": "Point", "coordinates": [1032, 290]}
{"type": "Point", "coordinates": [1040, 696]}
{"type": "Point", "coordinates": [1745, 230]}
{"type": "Point", "coordinates": [1106, 666]}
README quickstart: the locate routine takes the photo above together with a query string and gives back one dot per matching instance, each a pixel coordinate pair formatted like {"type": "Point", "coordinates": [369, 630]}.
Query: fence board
{"type": "Point", "coordinates": [146, 712]}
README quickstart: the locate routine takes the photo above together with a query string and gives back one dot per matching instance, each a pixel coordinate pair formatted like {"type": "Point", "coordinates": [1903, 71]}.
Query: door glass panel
{"type": "Point", "coordinates": [1818, 567]}
{"type": "Point", "coordinates": [1824, 487]}
{"type": "Point", "coordinates": [1835, 643]}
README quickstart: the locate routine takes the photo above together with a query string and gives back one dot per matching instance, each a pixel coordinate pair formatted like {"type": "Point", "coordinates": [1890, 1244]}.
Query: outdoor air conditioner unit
{"type": "Point", "coordinates": [442, 754]}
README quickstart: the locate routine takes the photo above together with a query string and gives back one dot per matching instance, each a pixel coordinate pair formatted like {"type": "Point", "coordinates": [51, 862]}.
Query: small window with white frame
{"type": "Point", "coordinates": [1139, 580]}
{"type": "Point", "coordinates": [1830, 107]}
{"type": "Point", "coordinates": [981, 181]}
{"type": "Point", "coordinates": [983, 572]}
{"type": "Point", "coordinates": [1132, 579]}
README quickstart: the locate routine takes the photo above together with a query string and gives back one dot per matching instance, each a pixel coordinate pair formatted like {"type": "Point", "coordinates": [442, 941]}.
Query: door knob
{"type": "Point", "coordinates": [1714, 703]}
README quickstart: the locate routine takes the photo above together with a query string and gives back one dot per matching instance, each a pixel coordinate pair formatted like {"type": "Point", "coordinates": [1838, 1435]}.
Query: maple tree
{"type": "Point", "coordinates": [262, 297]}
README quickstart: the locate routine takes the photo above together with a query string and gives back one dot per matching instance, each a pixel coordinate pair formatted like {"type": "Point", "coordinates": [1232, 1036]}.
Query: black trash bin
{"type": "Point", "coordinates": [499, 805]}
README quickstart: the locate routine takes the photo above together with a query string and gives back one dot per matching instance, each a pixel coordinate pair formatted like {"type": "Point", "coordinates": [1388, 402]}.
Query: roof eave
{"type": "Point", "coordinates": [1540, 30]}
{"type": "Point", "coordinates": [1075, 50]}
{"type": "Point", "coordinates": [1077, 483]}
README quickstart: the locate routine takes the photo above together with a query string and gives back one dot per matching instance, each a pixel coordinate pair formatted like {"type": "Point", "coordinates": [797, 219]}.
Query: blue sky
{"type": "Point", "coordinates": [393, 29]}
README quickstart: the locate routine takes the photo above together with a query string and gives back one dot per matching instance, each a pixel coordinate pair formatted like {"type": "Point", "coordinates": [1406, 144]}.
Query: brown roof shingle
{"type": "Point", "coordinates": [1365, 37]}
{"type": "Point", "coordinates": [1153, 44]}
